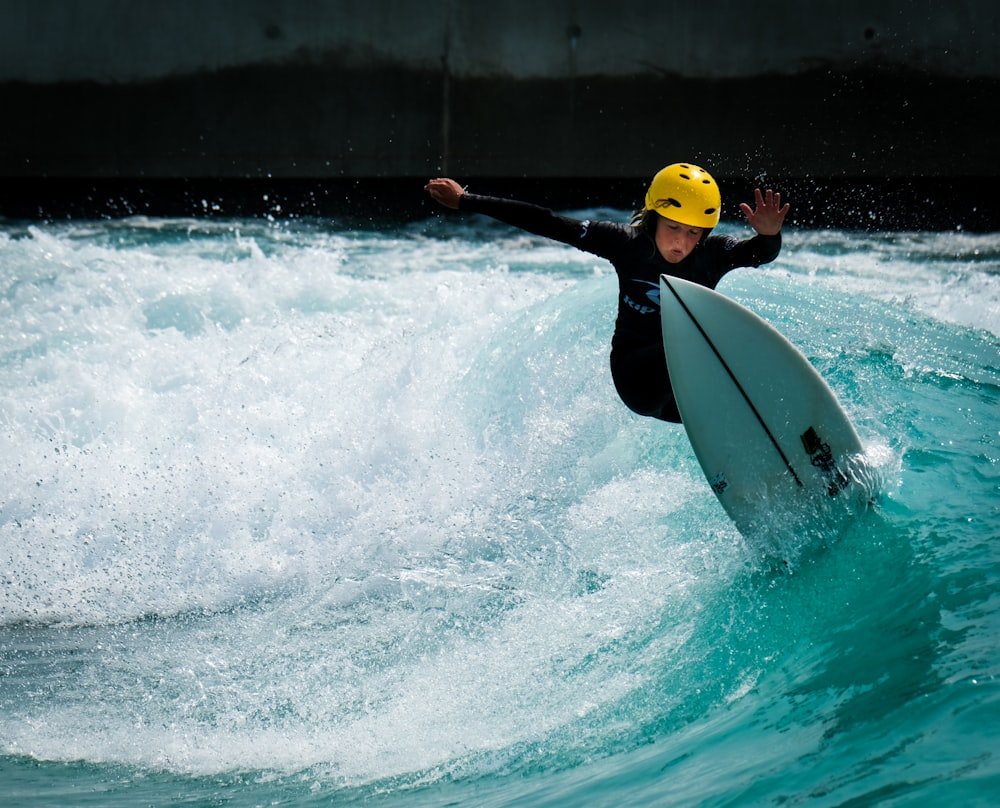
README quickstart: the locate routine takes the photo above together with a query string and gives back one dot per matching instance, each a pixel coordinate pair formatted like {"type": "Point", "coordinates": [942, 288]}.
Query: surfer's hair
{"type": "Point", "coordinates": [643, 220]}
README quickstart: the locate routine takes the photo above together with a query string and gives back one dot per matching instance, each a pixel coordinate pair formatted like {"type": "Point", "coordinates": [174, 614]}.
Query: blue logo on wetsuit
{"type": "Point", "coordinates": [652, 294]}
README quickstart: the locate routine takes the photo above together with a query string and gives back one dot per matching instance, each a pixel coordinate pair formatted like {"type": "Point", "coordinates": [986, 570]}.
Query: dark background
{"type": "Point", "coordinates": [864, 115]}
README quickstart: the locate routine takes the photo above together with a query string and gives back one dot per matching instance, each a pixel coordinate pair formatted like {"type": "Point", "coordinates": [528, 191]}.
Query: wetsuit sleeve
{"type": "Point", "coordinates": [523, 215]}
{"type": "Point", "coordinates": [756, 251]}
{"type": "Point", "coordinates": [600, 238]}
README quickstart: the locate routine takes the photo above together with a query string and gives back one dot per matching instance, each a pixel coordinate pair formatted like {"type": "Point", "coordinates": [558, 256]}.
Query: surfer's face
{"type": "Point", "coordinates": [674, 240]}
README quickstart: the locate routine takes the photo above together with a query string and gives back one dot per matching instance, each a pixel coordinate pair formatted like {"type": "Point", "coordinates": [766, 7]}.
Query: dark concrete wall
{"type": "Point", "coordinates": [383, 88]}
{"type": "Point", "coordinates": [115, 106]}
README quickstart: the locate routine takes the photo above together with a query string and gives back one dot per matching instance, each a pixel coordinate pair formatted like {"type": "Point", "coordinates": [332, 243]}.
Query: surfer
{"type": "Point", "coordinates": [670, 235]}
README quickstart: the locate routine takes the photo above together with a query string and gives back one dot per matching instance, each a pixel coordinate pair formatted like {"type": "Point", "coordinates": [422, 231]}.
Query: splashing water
{"type": "Point", "coordinates": [293, 513]}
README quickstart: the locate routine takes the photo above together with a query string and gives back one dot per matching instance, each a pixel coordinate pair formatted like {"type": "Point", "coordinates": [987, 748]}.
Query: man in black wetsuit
{"type": "Point", "coordinates": [670, 236]}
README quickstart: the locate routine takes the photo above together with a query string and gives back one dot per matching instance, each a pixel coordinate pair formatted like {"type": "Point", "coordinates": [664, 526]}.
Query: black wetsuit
{"type": "Point", "coordinates": [638, 363]}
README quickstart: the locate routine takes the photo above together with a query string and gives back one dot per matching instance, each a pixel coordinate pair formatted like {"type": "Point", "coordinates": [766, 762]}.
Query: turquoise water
{"type": "Point", "coordinates": [305, 515]}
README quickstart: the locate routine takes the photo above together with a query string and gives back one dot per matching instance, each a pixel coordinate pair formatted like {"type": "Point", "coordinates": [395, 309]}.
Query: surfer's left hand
{"type": "Point", "coordinates": [768, 214]}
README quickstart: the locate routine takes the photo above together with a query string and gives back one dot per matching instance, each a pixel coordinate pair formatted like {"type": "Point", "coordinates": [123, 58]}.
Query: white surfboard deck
{"type": "Point", "coordinates": [769, 433]}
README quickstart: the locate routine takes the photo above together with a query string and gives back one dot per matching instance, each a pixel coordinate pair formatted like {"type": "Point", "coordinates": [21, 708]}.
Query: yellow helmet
{"type": "Point", "coordinates": [687, 194]}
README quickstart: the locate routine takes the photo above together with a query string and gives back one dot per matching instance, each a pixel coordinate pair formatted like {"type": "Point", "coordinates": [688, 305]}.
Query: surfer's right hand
{"type": "Point", "coordinates": [446, 191]}
{"type": "Point", "coordinates": [768, 214]}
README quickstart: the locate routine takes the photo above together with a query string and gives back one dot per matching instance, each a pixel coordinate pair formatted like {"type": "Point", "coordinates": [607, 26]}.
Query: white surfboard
{"type": "Point", "coordinates": [769, 433]}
